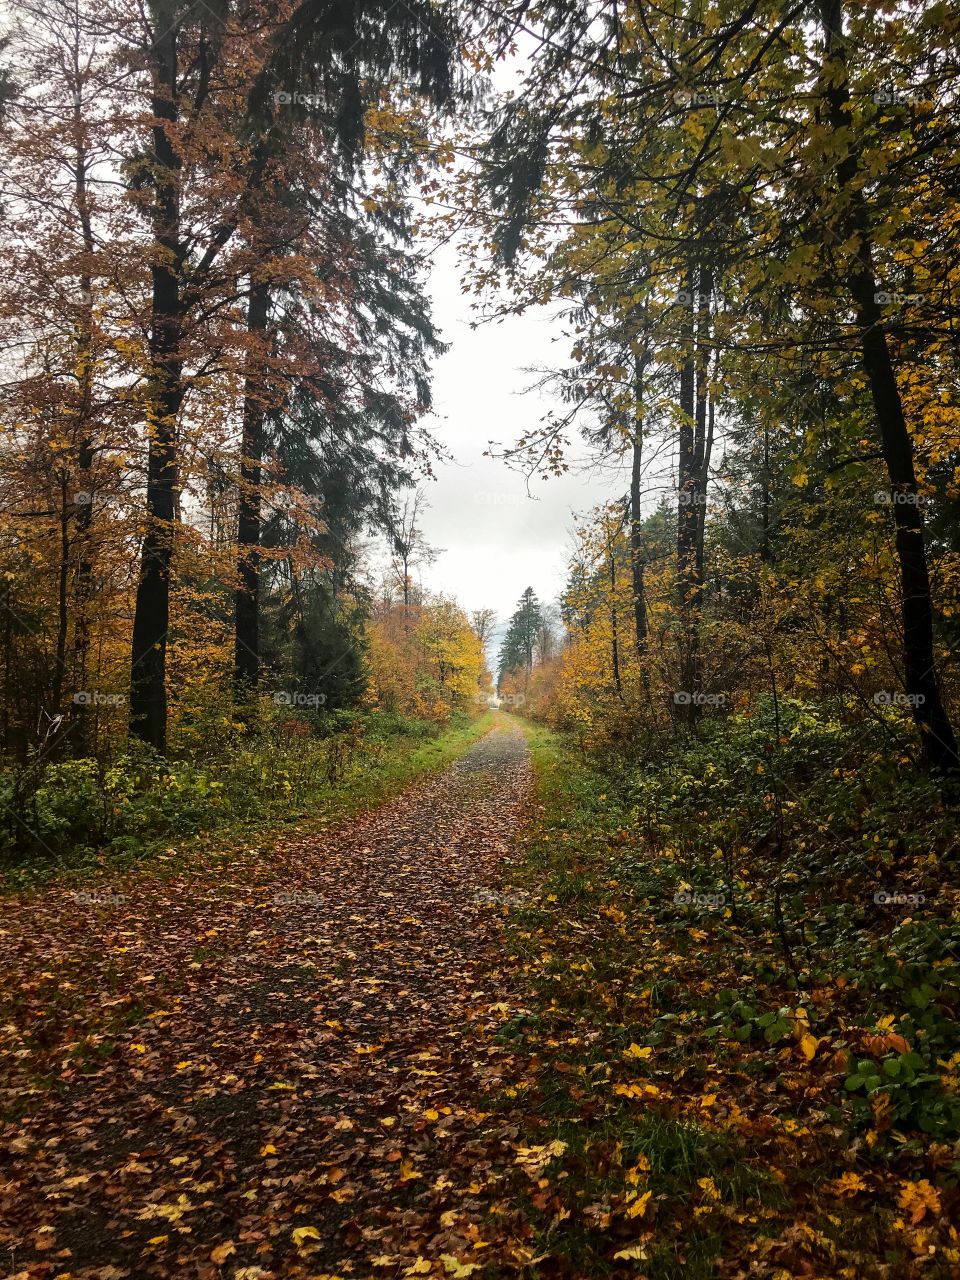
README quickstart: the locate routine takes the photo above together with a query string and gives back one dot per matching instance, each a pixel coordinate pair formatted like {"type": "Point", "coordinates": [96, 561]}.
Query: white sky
{"type": "Point", "coordinates": [496, 540]}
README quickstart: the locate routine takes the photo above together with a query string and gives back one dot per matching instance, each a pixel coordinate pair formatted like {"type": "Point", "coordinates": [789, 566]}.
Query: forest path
{"type": "Point", "coordinates": [265, 1072]}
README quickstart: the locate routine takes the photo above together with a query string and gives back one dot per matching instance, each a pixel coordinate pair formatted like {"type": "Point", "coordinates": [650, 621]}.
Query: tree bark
{"type": "Point", "coordinates": [83, 496]}
{"type": "Point", "coordinates": [247, 633]}
{"type": "Point", "coordinates": [148, 699]}
{"type": "Point", "coordinates": [937, 736]}
{"type": "Point", "coordinates": [686, 499]}
{"type": "Point", "coordinates": [638, 561]}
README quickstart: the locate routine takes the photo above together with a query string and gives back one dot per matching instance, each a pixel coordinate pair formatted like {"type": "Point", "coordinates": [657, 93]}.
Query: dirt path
{"type": "Point", "coordinates": [264, 1073]}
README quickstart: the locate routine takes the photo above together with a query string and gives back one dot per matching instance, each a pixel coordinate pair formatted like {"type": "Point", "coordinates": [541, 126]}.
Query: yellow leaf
{"type": "Point", "coordinates": [458, 1269]}
{"type": "Point", "coordinates": [639, 1206]}
{"type": "Point", "coordinates": [222, 1252]}
{"type": "Point", "coordinates": [408, 1171]}
{"type": "Point", "coordinates": [809, 1045]}
{"type": "Point", "coordinates": [636, 1051]}
{"type": "Point", "coordinates": [633, 1253]}
{"type": "Point", "coordinates": [422, 1267]}
{"type": "Point", "coordinates": [848, 1184]}
{"type": "Point", "coordinates": [268, 1149]}
{"type": "Point", "coordinates": [301, 1234]}
{"type": "Point", "coordinates": [919, 1198]}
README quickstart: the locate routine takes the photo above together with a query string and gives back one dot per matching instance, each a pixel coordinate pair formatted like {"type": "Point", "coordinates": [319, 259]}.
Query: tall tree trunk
{"type": "Point", "coordinates": [247, 634]}
{"type": "Point", "coordinates": [920, 677]}
{"type": "Point", "coordinates": [148, 699]}
{"type": "Point", "coordinates": [766, 551]}
{"type": "Point", "coordinates": [703, 439]}
{"type": "Point", "coordinates": [63, 608]}
{"type": "Point", "coordinates": [83, 495]}
{"type": "Point", "coordinates": [614, 628]}
{"type": "Point", "coordinates": [702, 445]}
{"type": "Point", "coordinates": [686, 497]}
{"type": "Point", "coordinates": [638, 562]}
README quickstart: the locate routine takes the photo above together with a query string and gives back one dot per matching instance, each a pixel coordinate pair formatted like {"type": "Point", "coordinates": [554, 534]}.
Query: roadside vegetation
{"type": "Point", "coordinates": [98, 816]}
{"type": "Point", "coordinates": [733, 1020]}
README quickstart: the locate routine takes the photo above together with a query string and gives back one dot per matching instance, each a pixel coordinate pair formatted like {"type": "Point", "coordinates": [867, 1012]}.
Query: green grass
{"type": "Point", "coordinates": [239, 809]}
{"type": "Point", "coordinates": [738, 1136]}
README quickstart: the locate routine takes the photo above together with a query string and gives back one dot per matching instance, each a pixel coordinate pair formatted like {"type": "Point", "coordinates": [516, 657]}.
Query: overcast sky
{"type": "Point", "coordinates": [496, 540]}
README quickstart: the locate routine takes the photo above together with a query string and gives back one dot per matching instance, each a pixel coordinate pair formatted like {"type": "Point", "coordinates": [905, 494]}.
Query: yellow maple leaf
{"type": "Point", "coordinates": [454, 1267]}
{"type": "Point", "coordinates": [809, 1045]}
{"type": "Point", "coordinates": [300, 1235]}
{"type": "Point", "coordinates": [422, 1267]}
{"type": "Point", "coordinates": [848, 1184]}
{"type": "Point", "coordinates": [919, 1198]}
{"type": "Point", "coordinates": [634, 1175]}
{"type": "Point", "coordinates": [639, 1206]}
{"type": "Point", "coordinates": [638, 1051]}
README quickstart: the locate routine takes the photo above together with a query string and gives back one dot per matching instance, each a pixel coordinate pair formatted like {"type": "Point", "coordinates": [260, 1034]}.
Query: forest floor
{"type": "Point", "coordinates": [446, 1038]}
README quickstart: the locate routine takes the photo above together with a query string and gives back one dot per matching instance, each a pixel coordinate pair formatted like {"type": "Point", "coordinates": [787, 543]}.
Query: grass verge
{"type": "Point", "coordinates": [87, 819]}
{"type": "Point", "coordinates": [687, 1104]}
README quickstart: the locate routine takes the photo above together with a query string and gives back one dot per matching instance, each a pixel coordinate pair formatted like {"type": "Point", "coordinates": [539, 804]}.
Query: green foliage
{"type": "Point", "coordinates": [523, 631]}
{"type": "Point", "coordinates": [743, 1047]}
{"type": "Point", "coordinates": [80, 813]}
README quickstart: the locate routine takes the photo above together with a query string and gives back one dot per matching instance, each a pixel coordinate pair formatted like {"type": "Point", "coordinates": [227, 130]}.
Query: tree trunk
{"type": "Point", "coordinates": [247, 634]}
{"type": "Point", "coordinates": [686, 500]}
{"type": "Point", "coordinates": [83, 496]}
{"type": "Point", "coordinates": [937, 737]}
{"type": "Point", "coordinates": [614, 628]}
{"type": "Point", "coordinates": [148, 699]}
{"type": "Point", "coordinates": [638, 561]}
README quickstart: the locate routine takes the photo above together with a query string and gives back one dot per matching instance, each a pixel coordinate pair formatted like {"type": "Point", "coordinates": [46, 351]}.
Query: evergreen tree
{"type": "Point", "coordinates": [523, 632]}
